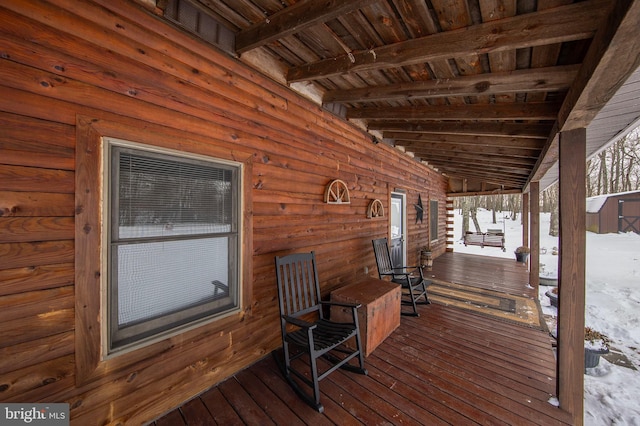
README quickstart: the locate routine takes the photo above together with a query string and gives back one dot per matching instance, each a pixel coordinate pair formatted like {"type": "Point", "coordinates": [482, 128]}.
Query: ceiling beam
{"type": "Point", "coordinates": [293, 19]}
{"type": "Point", "coordinates": [484, 175]}
{"type": "Point", "coordinates": [548, 79]}
{"type": "Point", "coordinates": [566, 23]}
{"type": "Point", "coordinates": [441, 157]}
{"type": "Point", "coordinates": [502, 112]}
{"type": "Point", "coordinates": [496, 191]}
{"type": "Point", "coordinates": [497, 130]}
{"type": "Point", "coordinates": [478, 142]}
{"type": "Point", "coordinates": [425, 149]}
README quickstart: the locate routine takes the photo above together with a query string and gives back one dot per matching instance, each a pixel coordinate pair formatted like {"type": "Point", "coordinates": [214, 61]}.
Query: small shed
{"type": "Point", "coordinates": [614, 213]}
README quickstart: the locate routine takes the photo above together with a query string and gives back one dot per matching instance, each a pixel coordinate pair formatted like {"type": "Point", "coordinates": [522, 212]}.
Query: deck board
{"type": "Point", "coordinates": [448, 366]}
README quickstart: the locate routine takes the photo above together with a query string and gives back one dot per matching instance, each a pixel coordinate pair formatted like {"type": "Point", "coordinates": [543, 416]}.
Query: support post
{"type": "Point", "coordinates": [534, 258]}
{"type": "Point", "coordinates": [450, 221]}
{"type": "Point", "coordinates": [525, 219]}
{"type": "Point", "coordinates": [571, 300]}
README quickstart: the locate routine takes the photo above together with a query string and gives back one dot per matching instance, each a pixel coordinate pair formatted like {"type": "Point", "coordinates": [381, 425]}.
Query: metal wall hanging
{"type": "Point", "coordinates": [419, 209]}
{"type": "Point", "coordinates": [337, 193]}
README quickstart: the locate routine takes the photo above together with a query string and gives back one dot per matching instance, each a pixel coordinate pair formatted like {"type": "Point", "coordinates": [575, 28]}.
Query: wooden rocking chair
{"type": "Point", "coordinates": [306, 331]}
{"type": "Point", "coordinates": [414, 285]}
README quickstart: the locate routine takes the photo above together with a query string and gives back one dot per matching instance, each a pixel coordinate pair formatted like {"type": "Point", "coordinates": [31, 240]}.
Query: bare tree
{"type": "Point", "coordinates": [603, 179]}
{"type": "Point", "coordinates": [464, 210]}
{"type": "Point", "coordinates": [550, 204]}
{"type": "Point", "coordinates": [617, 168]}
{"type": "Point", "coordinates": [473, 211]}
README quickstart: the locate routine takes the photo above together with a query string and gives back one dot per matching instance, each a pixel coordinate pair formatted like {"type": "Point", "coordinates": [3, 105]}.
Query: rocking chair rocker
{"type": "Point", "coordinates": [414, 285]}
{"type": "Point", "coordinates": [306, 331]}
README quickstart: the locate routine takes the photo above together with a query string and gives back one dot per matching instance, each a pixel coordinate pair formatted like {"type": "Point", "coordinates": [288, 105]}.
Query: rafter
{"type": "Point", "coordinates": [512, 153]}
{"type": "Point", "coordinates": [443, 158]}
{"type": "Point", "coordinates": [292, 19]}
{"type": "Point", "coordinates": [484, 176]}
{"type": "Point", "coordinates": [520, 81]}
{"type": "Point", "coordinates": [496, 130]}
{"type": "Point", "coordinates": [496, 173]}
{"type": "Point", "coordinates": [474, 141]}
{"type": "Point", "coordinates": [567, 23]}
{"type": "Point", "coordinates": [502, 112]}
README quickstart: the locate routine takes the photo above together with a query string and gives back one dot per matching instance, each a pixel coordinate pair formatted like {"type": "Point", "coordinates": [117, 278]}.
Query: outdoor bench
{"type": "Point", "coordinates": [491, 238]}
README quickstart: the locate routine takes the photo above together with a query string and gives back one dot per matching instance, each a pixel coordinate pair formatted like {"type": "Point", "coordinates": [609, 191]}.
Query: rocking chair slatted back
{"type": "Point", "coordinates": [299, 296]}
{"type": "Point", "coordinates": [409, 277]}
{"type": "Point", "coordinates": [298, 293]}
{"type": "Point", "coordinates": [383, 257]}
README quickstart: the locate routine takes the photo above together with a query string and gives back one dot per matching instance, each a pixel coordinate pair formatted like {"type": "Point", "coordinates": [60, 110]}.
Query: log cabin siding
{"type": "Point", "coordinates": [115, 62]}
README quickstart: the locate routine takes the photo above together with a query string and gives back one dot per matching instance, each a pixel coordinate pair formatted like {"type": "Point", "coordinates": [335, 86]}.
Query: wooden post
{"type": "Point", "coordinates": [450, 220]}
{"type": "Point", "coordinates": [571, 300]}
{"type": "Point", "coordinates": [525, 219]}
{"type": "Point", "coordinates": [534, 258]}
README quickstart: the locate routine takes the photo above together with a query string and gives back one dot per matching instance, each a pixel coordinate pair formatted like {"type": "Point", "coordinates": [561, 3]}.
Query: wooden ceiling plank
{"type": "Point", "coordinates": [455, 157]}
{"type": "Point", "coordinates": [292, 19]}
{"type": "Point", "coordinates": [497, 130]}
{"type": "Point", "coordinates": [511, 153]}
{"type": "Point", "coordinates": [503, 112]}
{"type": "Point", "coordinates": [235, 18]}
{"type": "Point", "coordinates": [496, 173]}
{"type": "Point", "coordinates": [453, 15]}
{"type": "Point", "coordinates": [573, 22]}
{"type": "Point", "coordinates": [360, 30]}
{"type": "Point", "coordinates": [420, 22]}
{"type": "Point", "coordinates": [545, 56]}
{"type": "Point", "coordinates": [473, 140]}
{"type": "Point", "coordinates": [528, 80]}
{"type": "Point", "coordinates": [493, 178]}
{"type": "Point", "coordinates": [493, 10]}
{"type": "Point", "coordinates": [485, 175]}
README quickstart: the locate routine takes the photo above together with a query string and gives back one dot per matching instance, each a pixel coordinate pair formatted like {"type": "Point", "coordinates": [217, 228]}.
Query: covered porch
{"type": "Point", "coordinates": [449, 366]}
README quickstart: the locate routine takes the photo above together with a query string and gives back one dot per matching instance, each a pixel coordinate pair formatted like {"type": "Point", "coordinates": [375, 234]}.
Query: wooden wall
{"type": "Point", "coordinates": [112, 61]}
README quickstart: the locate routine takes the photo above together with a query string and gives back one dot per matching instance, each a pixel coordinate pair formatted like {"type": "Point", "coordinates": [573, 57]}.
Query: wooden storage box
{"type": "Point", "coordinates": [379, 314]}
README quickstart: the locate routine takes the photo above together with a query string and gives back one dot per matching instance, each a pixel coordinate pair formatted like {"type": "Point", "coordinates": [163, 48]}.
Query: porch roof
{"type": "Point", "coordinates": [478, 90]}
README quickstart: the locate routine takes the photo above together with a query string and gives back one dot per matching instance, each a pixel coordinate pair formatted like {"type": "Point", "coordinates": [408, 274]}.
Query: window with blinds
{"type": "Point", "coordinates": [173, 242]}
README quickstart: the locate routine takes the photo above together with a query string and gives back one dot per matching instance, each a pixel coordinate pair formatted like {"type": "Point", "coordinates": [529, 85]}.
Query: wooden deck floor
{"type": "Point", "coordinates": [448, 366]}
{"type": "Point", "coordinates": [490, 273]}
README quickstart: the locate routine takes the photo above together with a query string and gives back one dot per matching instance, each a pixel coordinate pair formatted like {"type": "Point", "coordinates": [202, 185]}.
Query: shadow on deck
{"type": "Point", "coordinates": [449, 366]}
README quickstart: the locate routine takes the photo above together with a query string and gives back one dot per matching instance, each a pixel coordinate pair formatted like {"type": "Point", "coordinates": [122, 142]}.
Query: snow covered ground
{"type": "Point", "coordinates": [612, 392]}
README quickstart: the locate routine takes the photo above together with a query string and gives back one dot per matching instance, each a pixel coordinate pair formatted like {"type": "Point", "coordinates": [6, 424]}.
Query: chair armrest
{"type": "Point", "coordinates": [406, 270]}
{"type": "Point", "coordinates": [346, 305]}
{"type": "Point", "coordinates": [299, 322]}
